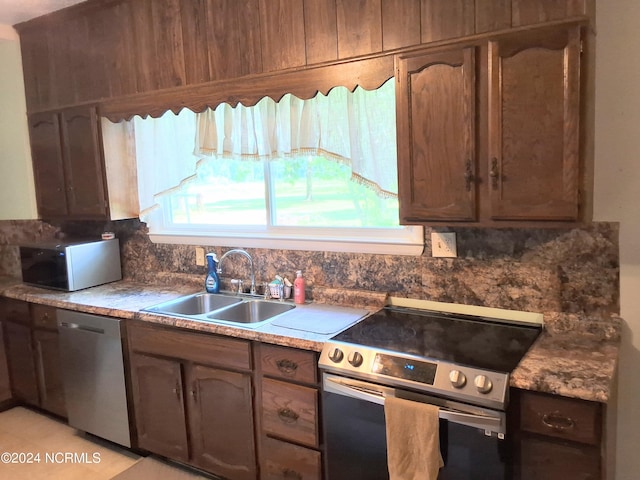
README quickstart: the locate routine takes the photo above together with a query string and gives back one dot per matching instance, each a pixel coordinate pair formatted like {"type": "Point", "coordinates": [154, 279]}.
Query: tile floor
{"type": "Point", "coordinates": [23, 431]}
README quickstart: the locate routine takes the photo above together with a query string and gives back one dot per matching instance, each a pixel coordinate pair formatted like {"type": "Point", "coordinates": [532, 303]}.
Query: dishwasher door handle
{"type": "Point", "coordinates": [86, 328]}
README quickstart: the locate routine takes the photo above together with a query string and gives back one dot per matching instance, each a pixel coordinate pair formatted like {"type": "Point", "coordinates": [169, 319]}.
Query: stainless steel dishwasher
{"type": "Point", "coordinates": [93, 375]}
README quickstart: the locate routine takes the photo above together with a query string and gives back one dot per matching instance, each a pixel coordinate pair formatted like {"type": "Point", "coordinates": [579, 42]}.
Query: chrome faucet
{"type": "Point", "coordinates": [245, 254]}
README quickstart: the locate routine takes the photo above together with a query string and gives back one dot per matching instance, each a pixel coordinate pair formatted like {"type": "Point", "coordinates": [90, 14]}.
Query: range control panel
{"type": "Point", "coordinates": [481, 387]}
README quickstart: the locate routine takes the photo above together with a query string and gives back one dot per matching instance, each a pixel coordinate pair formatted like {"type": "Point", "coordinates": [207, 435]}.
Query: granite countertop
{"type": "Point", "coordinates": [567, 360]}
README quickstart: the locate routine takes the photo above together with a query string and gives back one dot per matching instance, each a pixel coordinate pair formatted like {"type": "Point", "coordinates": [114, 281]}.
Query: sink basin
{"type": "Point", "coordinates": [252, 311]}
{"type": "Point", "coordinates": [228, 309]}
{"type": "Point", "coordinates": [198, 304]}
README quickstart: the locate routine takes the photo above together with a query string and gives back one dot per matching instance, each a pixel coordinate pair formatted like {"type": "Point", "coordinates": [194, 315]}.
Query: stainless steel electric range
{"type": "Point", "coordinates": [460, 362]}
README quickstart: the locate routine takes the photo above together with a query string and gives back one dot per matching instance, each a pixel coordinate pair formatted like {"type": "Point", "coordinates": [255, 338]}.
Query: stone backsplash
{"type": "Point", "coordinates": [570, 271]}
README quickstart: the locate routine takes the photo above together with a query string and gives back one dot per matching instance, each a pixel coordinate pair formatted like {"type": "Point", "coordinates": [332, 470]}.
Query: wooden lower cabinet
{"type": "Point", "coordinates": [194, 413]}
{"type": "Point", "coordinates": [5, 384]}
{"type": "Point", "coordinates": [291, 447]}
{"type": "Point", "coordinates": [221, 430]}
{"type": "Point", "coordinates": [49, 371]}
{"type": "Point", "coordinates": [159, 409]}
{"type": "Point", "coordinates": [284, 461]}
{"type": "Point", "coordinates": [33, 355]}
{"type": "Point", "coordinates": [546, 459]}
{"type": "Point", "coordinates": [22, 369]}
{"type": "Point", "coordinates": [559, 438]}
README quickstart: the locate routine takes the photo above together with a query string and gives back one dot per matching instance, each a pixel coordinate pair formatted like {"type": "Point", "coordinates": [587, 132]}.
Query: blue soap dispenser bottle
{"type": "Point", "coordinates": [212, 282]}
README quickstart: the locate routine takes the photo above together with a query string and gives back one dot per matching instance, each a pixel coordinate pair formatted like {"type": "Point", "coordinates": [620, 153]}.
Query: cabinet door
{"type": "Point", "coordinates": [534, 90]}
{"type": "Point", "coordinates": [83, 163]}
{"type": "Point", "coordinates": [46, 154]}
{"type": "Point", "coordinates": [159, 409]}
{"type": "Point", "coordinates": [435, 109]}
{"type": "Point", "coordinates": [20, 359]}
{"type": "Point", "coordinates": [49, 372]}
{"type": "Point", "coordinates": [221, 422]}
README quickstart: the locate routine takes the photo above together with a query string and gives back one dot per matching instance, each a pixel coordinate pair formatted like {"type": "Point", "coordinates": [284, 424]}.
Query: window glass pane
{"type": "Point", "coordinates": [226, 192]}
{"type": "Point", "coordinates": [318, 192]}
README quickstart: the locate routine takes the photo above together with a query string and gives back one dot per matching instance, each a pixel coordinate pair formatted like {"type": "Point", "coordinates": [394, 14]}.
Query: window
{"type": "Point", "coordinates": [315, 174]}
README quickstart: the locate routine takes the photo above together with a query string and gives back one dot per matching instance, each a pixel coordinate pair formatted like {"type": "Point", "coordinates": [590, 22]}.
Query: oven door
{"type": "Point", "coordinates": [471, 438]}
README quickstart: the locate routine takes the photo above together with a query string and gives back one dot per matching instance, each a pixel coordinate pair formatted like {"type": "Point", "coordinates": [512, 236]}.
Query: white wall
{"type": "Point", "coordinates": [617, 196]}
{"type": "Point", "coordinates": [17, 193]}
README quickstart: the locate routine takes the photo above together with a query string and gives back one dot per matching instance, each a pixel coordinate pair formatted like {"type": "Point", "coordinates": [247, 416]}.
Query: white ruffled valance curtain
{"type": "Point", "coordinates": [357, 129]}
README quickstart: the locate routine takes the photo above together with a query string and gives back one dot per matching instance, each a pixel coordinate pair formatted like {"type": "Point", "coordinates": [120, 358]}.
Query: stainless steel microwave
{"type": "Point", "coordinates": [71, 266]}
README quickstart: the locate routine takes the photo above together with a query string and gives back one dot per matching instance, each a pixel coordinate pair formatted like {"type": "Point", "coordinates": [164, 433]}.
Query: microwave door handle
{"type": "Point", "coordinates": [377, 395]}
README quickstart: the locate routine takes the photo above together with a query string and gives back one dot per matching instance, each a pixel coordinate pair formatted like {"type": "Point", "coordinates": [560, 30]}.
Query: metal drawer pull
{"type": "Point", "coordinates": [287, 367]}
{"type": "Point", "coordinates": [287, 415]}
{"type": "Point", "coordinates": [292, 474]}
{"type": "Point", "coordinates": [558, 422]}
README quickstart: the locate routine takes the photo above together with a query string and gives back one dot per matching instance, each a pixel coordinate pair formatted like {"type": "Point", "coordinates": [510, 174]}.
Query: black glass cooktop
{"type": "Point", "coordinates": [461, 339]}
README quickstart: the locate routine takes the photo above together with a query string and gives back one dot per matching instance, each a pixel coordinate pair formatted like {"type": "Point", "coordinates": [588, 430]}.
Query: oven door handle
{"type": "Point", "coordinates": [376, 394]}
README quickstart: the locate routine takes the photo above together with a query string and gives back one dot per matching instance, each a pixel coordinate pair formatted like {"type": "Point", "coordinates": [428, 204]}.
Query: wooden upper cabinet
{"type": "Point", "coordinates": [320, 31]}
{"type": "Point", "coordinates": [443, 19]}
{"type": "Point", "coordinates": [68, 164]}
{"type": "Point", "coordinates": [526, 12]}
{"type": "Point", "coordinates": [435, 108]}
{"type": "Point", "coordinates": [48, 169]}
{"type": "Point", "coordinates": [37, 66]}
{"type": "Point", "coordinates": [112, 62]}
{"type": "Point", "coordinates": [534, 112]}
{"type": "Point", "coordinates": [83, 163]}
{"type": "Point", "coordinates": [220, 39]}
{"type": "Point", "coordinates": [359, 27]}
{"type": "Point", "coordinates": [157, 33]}
{"type": "Point", "coordinates": [282, 34]}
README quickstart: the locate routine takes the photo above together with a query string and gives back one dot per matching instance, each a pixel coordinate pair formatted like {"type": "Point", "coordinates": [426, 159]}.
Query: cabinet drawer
{"type": "Point", "coordinates": [44, 316]}
{"type": "Point", "coordinates": [288, 363]}
{"type": "Point", "coordinates": [207, 349]}
{"type": "Point", "coordinates": [284, 461]}
{"type": "Point", "coordinates": [15, 311]}
{"type": "Point", "coordinates": [290, 411]}
{"type": "Point", "coordinates": [554, 460]}
{"type": "Point", "coordinates": [561, 417]}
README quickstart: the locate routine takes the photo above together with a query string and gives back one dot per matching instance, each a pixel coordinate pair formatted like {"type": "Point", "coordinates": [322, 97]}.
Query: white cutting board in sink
{"type": "Point", "coordinates": [320, 318]}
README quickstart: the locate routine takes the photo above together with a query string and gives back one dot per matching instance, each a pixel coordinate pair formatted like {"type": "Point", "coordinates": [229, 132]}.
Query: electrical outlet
{"type": "Point", "coordinates": [200, 256]}
{"type": "Point", "coordinates": [443, 244]}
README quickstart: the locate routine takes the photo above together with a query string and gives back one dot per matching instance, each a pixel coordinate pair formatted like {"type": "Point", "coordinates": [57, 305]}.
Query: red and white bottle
{"type": "Point", "coordinates": [298, 288]}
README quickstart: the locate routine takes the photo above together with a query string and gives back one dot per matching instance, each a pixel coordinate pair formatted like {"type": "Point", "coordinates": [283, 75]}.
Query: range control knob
{"type": "Point", "coordinates": [336, 355]}
{"type": "Point", "coordinates": [355, 359]}
{"type": "Point", "coordinates": [483, 384]}
{"type": "Point", "coordinates": [458, 379]}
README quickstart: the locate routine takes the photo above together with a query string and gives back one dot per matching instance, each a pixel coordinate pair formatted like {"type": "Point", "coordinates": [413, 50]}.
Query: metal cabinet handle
{"type": "Point", "coordinates": [288, 367]}
{"type": "Point", "coordinates": [292, 474]}
{"type": "Point", "coordinates": [176, 389]}
{"type": "Point", "coordinates": [558, 422]}
{"type": "Point", "coordinates": [287, 415]}
{"type": "Point", "coordinates": [494, 174]}
{"type": "Point", "coordinates": [194, 393]}
{"type": "Point", "coordinates": [468, 175]}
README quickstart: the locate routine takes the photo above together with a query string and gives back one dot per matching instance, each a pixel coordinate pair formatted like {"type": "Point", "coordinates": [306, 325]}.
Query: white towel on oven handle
{"type": "Point", "coordinates": [413, 439]}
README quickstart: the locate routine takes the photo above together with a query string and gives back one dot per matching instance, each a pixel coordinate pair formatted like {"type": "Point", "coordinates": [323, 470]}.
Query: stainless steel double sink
{"type": "Point", "coordinates": [222, 308]}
